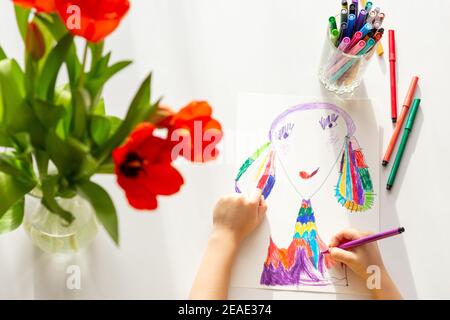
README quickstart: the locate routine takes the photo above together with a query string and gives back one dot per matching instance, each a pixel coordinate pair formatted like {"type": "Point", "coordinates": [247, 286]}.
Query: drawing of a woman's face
{"type": "Point", "coordinates": [308, 144]}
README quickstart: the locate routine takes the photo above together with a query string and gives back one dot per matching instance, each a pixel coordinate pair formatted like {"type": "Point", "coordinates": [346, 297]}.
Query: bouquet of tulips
{"type": "Point", "coordinates": [56, 136]}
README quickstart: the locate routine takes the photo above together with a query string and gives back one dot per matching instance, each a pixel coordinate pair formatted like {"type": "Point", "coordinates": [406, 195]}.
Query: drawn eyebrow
{"type": "Point", "coordinates": [330, 119]}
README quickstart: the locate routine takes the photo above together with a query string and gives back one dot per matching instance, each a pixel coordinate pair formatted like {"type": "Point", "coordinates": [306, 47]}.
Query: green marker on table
{"type": "Point", "coordinates": [405, 137]}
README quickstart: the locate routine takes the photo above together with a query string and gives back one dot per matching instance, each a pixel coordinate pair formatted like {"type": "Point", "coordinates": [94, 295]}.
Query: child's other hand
{"type": "Point", "coordinates": [359, 258]}
{"type": "Point", "coordinates": [237, 216]}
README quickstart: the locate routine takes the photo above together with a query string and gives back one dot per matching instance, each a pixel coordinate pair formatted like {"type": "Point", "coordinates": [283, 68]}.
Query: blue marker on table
{"type": "Point", "coordinates": [350, 25]}
{"type": "Point", "coordinates": [366, 29]}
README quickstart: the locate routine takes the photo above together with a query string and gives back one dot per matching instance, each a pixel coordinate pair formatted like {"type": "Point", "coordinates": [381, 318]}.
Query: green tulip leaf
{"type": "Point", "coordinates": [99, 129]}
{"type": "Point", "coordinates": [80, 103]}
{"type": "Point", "coordinates": [12, 189]}
{"type": "Point", "coordinates": [66, 156]}
{"type": "Point", "coordinates": [12, 218]}
{"type": "Point", "coordinates": [56, 27]}
{"type": "Point", "coordinates": [95, 85]}
{"type": "Point", "coordinates": [50, 70]}
{"type": "Point", "coordinates": [99, 109]}
{"type": "Point", "coordinates": [48, 114]}
{"type": "Point", "coordinates": [103, 206]}
{"type": "Point", "coordinates": [5, 139]}
{"type": "Point", "coordinates": [96, 51]}
{"type": "Point", "coordinates": [16, 167]}
{"type": "Point", "coordinates": [2, 54]}
{"type": "Point", "coordinates": [63, 97]}
{"type": "Point", "coordinates": [22, 15]}
{"type": "Point", "coordinates": [15, 113]}
{"type": "Point", "coordinates": [139, 111]}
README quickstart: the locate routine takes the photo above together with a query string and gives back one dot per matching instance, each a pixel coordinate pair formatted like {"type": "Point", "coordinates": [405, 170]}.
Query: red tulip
{"type": "Point", "coordinates": [200, 133]}
{"type": "Point", "coordinates": [143, 168]}
{"type": "Point", "coordinates": [39, 5]}
{"type": "Point", "coordinates": [90, 19]}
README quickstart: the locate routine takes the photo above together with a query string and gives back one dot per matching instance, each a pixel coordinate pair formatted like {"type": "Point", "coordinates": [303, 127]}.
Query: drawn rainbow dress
{"type": "Point", "coordinates": [302, 262]}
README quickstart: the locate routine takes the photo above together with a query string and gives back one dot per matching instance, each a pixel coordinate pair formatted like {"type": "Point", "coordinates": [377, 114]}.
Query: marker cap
{"type": "Point", "coordinates": [356, 37]}
{"type": "Point", "coordinates": [344, 15]}
{"type": "Point", "coordinates": [371, 16]}
{"type": "Point", "coordinates": [412, 114]}
{"type": "Point", "coordinates": [392, 55]}
{"type": "Point", "coordinates": [344, 43]}
{"type": "Point", "coordinates": [366, 29]}
{"type": "Point", "coordinates": [359, 46]}
{"type": "Point", "coordinates": [332, 22]}
{"type": "Point", "coordinates": [377, 36]}
{"type": "Point", "coordinates": [411, 90]}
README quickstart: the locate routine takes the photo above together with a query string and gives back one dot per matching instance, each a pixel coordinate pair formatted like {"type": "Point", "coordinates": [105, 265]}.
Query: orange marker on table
{"type": "Point", "coordinates": [400, 120]}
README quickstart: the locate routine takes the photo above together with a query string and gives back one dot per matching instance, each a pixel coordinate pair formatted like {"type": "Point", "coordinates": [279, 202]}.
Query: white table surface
{"type": "Point", "coordinates": [214, 49]}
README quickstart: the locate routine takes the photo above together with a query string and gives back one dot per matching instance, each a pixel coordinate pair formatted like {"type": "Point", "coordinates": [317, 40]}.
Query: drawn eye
{"type": "Point", "coordinates": [332, 125]}
{"type": "Point", "coordinates": [329, 122]}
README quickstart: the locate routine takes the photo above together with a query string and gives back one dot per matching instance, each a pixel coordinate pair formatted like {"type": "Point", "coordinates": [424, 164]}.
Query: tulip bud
{"type": "Point", "coordinates": [34, 41]}
{"type": "Point", "coordinates": [162, 116]}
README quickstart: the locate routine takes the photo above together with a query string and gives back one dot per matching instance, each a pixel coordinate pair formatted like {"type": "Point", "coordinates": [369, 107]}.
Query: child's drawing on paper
{"type": "Point", "coordinates": [309, 144]}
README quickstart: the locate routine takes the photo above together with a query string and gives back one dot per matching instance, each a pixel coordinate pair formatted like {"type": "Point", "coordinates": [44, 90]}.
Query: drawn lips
{"type": "Point", "coordinates": [305, 175]}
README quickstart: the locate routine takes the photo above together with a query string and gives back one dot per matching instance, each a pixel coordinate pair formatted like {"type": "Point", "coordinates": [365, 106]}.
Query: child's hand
{"type": "Point", "coordinates": [358, 259]}
{"type": "Point", "coordinates": [237, 216]}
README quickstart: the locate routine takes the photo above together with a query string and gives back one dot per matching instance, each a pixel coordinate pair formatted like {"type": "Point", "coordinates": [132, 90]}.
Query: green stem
{"type": "Point", "coordinates": [83, 66]}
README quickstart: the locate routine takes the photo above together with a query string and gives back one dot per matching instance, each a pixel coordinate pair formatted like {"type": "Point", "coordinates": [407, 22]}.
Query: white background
{"type": "Point", "coordinates": [213, 49]}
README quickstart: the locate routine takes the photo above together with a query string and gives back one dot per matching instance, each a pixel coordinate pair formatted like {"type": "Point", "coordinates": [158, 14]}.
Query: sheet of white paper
{"type": "Point", "coordinates": [302, 143]}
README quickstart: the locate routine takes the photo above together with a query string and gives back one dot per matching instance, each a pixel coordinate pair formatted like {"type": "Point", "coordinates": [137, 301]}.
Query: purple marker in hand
{"type": "Point", "coordinates": [368, 239]}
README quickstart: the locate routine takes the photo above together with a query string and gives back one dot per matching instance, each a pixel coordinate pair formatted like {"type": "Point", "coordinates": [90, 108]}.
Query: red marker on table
{"type": "Point", "coordinates": [392, 60]}
{"type": "Point", "coordinates": [401, 119]}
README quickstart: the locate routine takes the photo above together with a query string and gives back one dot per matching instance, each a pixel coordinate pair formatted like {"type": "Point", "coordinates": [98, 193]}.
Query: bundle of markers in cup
{"type": "Point", "coordinates": [350, 44]}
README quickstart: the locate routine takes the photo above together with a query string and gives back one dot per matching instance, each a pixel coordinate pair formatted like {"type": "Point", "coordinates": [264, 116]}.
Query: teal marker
{"type": "Point", "coordinates": [401, 148]}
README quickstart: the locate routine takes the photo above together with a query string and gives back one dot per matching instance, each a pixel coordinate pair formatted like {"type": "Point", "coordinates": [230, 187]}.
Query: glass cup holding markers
{"type": "Point", "coordinates": [350, 43]}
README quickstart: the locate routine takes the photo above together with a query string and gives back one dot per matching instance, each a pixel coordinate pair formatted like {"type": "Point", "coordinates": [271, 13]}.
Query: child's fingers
{"type": "Point", "coordinates": [344, 236]}
{"type": "Point", "coordinates": [343, 256]}
{"type": "Point", "coordinates": [255, 197]}
{"type": "Point", "coordinates": [262, 209]}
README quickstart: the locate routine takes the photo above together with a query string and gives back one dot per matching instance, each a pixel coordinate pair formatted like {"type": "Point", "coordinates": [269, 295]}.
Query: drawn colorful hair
{"type": "Point", "coordinates": [266, 178]}
{"type": "Point", "coordinates": [354, 189]}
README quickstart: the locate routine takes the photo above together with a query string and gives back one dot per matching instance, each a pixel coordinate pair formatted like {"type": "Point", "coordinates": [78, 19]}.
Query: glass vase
{"type": "Point", "coordinates": [51, 233]}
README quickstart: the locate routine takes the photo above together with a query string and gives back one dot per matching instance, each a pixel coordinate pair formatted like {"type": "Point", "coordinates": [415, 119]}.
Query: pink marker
{"type": "Point", "coordinates": [344, 44]}
{"type": "Point", "coordinates": [353, 52]}
{"type": "Point", "coordinates": [356, 37]}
